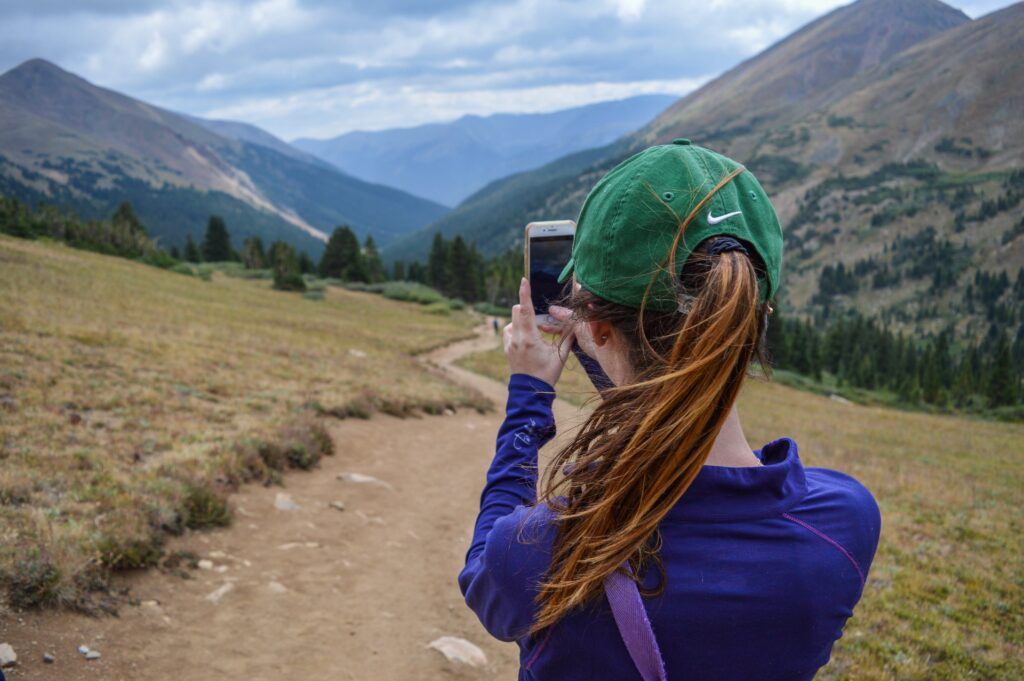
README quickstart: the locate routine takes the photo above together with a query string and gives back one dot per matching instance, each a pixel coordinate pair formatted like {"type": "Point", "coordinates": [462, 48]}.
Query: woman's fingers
{"type": "Point", "coordinates": [561, 314]}
{"type": "Point", "coordinates": [524, 310]}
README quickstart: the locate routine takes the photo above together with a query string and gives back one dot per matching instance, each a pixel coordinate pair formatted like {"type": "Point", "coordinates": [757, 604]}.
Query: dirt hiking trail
{"type": "Point", "coordinates": [297, 589]}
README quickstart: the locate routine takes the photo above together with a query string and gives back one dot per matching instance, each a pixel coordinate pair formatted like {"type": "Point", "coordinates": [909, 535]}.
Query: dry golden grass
{"type": "Point", "coordinates": [944, 595]}
{"type": "Point", "coordinates": [125, 391]}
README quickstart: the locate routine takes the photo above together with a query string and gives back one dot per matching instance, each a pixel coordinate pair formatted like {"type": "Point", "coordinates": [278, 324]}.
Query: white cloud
{"type": "Point", "coordinates": [322, 67]}
{"type": "Point", "coordinates": [630, 10]}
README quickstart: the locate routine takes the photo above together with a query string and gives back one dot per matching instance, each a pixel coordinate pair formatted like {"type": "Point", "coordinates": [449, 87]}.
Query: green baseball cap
{"type": "Point", "coordinates": [632, 215]}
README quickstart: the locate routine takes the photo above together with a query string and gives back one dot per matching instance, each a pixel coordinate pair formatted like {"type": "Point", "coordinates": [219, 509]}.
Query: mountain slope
{"type": "Point", "coordinates": [899, 180]}
{"type": "Point", "coordinates": [449, 161]}
{"type": "Point", "coordinates": [66, 141]}
{"type": "Point", "coordinates": [778, 86]}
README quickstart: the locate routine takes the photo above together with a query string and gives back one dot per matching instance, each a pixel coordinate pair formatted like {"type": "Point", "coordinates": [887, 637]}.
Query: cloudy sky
{"type": "Point", "coordinates": [322, 67]}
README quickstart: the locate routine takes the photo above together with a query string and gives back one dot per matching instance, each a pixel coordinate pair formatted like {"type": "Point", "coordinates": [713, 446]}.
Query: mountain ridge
{"type": "Point", "coordinates": [706, 122]}
{"type": "Point", "coordinates": [449, 161]}
{"type": "Point", "coordinates": [926, 137]}
{"type": "Point", "coordinates": [66, 141]}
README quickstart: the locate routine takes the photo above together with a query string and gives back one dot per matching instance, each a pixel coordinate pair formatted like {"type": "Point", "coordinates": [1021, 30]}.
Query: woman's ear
{"type": "Point", "coordinates": [600, 332]}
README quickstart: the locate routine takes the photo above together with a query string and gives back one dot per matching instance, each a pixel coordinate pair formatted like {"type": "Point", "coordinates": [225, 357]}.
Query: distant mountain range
{"type": "Point", "coordinates": [880, 121]}
{"type": "Point", "coordinates": [446, 162]}
{"type": "Point", "coordinates": [65, 141]}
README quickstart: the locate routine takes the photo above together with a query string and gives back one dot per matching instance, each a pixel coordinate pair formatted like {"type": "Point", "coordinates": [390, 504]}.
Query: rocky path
{"type": "Point", "coordinates": [298, 589]}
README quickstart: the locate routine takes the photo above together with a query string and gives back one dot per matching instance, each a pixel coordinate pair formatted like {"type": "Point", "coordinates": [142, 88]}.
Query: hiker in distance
{"type": "Point", "coordinates": [661, 546]}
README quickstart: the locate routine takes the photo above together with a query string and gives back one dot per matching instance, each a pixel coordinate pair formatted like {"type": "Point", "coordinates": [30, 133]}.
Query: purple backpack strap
{"type": "Point", "coordinates": [634, 627]}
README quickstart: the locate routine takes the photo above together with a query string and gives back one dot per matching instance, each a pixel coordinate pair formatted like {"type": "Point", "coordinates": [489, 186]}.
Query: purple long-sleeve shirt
{"type": "Point", "coordinates": [763, 564]}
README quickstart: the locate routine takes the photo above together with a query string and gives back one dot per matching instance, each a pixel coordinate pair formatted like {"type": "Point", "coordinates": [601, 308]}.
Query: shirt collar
{"type": "Point", "coordinates": [727, 494]}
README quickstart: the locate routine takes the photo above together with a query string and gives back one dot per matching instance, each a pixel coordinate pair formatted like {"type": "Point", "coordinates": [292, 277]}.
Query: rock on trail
{"type": "Point", "coordinates": [459, 650]}
{"type": "Point", "coordinates": [8, 658]}
{"type": "Point", "coordinates": [360, 478]}
{"type": "Point", "coordinates": [284, 502]}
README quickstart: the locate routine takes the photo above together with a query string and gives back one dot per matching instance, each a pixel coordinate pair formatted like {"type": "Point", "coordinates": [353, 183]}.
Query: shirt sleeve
{"type": "Point", "coordinates": [511, 488]}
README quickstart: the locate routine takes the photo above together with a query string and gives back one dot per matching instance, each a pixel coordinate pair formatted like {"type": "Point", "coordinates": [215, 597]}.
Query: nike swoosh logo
{"type": "Point", "coordinates": [712, 220]}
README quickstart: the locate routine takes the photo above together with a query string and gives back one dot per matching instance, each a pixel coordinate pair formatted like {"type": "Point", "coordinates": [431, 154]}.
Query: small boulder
{"type": "Point", "coordinates": [49, 658]}
{"type": "Point", "coordinates": [220, 592]}
{"type": "Point", "coordinates": [284, 502]}
{"type": "Point", "coordinates": [339, 505]}
{"type": "Point", "coordinates": [459, 650]}
{"type": "Point", "coordinates": [8, 658]}
{"type": "Point", "coordinates": [361, 478]}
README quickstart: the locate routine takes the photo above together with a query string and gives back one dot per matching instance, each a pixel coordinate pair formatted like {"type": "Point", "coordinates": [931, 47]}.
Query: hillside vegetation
{"type": "Point", "coordinates": [945, 596]}
{"type": "Point", "coordinates": [132, 398]}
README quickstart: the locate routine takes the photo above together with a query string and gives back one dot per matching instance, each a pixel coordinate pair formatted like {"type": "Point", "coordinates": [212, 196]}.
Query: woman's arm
{"type": "Point", "coordinates": [493, 588]}
{"type": "Point", "coordinates": [493, 582]}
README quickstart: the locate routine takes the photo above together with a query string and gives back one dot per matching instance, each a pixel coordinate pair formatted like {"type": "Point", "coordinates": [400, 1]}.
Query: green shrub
{"type": "Point", "coordinates": [406, 291]}
{"type": "Point", "coordinates": [129, 553]}
{"type": "Point", "coordinates": [493, 310]}
{"type": "Point", "coordinates": [205, 506]}
{"type": "Point", "coordinates": [301, 457]}
{"type": "Point", "coordinates": [33, 582]}
{"type": "Point", "coordinates": [439, 308]}
{"type": "Point", "coordinates": [285, 280]}
{"type": "Point", "coordinates": [184, 268]}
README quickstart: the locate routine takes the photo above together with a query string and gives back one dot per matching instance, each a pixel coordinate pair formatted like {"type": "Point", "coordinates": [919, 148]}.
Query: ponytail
{"type": "Point", "coordinates": [643, 445]}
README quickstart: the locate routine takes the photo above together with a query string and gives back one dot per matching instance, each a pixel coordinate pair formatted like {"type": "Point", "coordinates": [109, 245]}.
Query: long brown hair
{"type": "Point", "coordinates": [645, 442]}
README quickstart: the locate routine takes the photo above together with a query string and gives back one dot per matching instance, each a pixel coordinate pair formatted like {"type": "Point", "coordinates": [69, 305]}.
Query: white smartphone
{"type": "Point", "coordinates": [548, 247]}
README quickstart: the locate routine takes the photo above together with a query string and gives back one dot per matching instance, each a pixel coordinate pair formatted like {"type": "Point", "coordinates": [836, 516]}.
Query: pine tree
{"type": "Point", "coordinates": [1002, 378]}
{"type": "Point", "coordinates": [460, 267]}
{"type": "Point", "coordinates": [372, 262]}
{"type": "Point", "coordinates": [125, 215]}
{"type": "Point", "coordinates": [306, 265]}
{"type": "Point", "coordinates": [192, 253]}
{"type": "Point", "coordinates": [217, 244]}
{"type": "Point", "coordinates": [438, 264]}
{"type": "Point", "coordinates": [398, 270]}
{"type": "Point", "coordinates": [252, 253]}
{"type": "Point", "coordinates": [286, 268]}
{"type": "Point", "coordinates": [342, 258]}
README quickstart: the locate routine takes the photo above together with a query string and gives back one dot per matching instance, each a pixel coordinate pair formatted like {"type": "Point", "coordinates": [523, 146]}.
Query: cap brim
{"type": "Point", "coordinates": [566, 271]}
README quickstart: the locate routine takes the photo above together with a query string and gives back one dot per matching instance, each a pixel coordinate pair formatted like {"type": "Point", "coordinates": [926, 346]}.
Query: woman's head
{"type": "Point", "coordinates": [680, 343]}
{"type": "Point", "coordinates": [631, 344]}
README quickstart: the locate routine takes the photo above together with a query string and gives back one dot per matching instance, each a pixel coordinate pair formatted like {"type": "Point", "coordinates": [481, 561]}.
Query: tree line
{"type": "Point", "coordinates": [860, 352]}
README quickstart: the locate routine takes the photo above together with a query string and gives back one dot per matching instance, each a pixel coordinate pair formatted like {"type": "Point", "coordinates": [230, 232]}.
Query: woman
{"type": "Point", "coordinates": [662, 546]}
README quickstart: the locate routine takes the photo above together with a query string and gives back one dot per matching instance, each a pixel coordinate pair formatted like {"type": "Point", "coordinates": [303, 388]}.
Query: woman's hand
{"type": "Point", "coordinates": [527, 351]}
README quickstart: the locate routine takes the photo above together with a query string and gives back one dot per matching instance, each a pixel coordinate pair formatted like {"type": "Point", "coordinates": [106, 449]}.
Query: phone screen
{"type": "Point", "coordinates": [548, 256]}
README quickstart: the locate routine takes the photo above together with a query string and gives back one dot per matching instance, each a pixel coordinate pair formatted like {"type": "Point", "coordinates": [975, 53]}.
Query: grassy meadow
{"type": "Point", "coordinates": [133, 398]}
{"type": "Point", "coordinates": [945, 594]}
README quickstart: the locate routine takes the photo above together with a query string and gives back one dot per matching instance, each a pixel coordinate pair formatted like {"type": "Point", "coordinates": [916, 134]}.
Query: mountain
{"type": "Point", "coordinates": [784, 81]}
{"type": "Point", "coordinates": [449, 161]}
{"type": "Point", "coordinates": [246, 132]}
{"type": "Point", "coordinates": [65, 141]}
{"type": "Point", "coordinates": [889, 135]}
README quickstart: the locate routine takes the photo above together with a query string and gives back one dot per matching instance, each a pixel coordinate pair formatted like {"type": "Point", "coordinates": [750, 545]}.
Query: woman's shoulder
{"type": "Point", "coordinates": [843, 508]}
{"type": "Point", "coordinates": [836, 487]}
